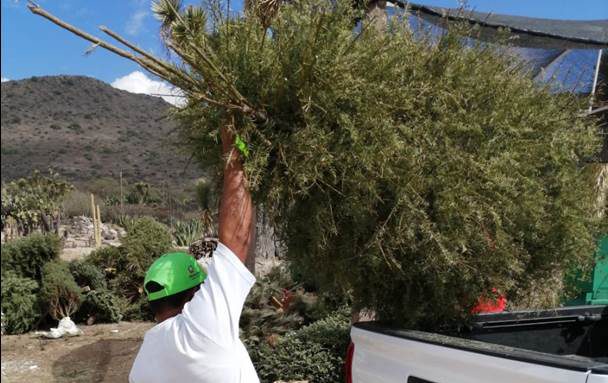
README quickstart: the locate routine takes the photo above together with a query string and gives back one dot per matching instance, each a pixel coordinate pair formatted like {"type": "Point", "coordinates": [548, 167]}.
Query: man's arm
{"type": "Point", "coordinates": [236, 207]}
{"type": "Point", "coordinates": [216, 308]}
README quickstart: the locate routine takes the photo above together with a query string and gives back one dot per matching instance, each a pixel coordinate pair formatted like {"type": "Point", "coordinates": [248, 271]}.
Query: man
{"type": "Point", "coordinates": [197, 335]}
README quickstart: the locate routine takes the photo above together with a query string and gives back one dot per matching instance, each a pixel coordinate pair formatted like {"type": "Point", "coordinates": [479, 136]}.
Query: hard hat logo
{"type": "Point", "coordinates": [192, 272]}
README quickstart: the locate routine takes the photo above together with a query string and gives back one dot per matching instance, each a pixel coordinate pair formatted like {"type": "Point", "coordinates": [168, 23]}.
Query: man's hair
{"type": "Point", "coordinates": [174, 301]}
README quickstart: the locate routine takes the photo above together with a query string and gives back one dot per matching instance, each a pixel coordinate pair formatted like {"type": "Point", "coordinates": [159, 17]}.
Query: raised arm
{"type": "Point", "coordinates": [216, 308]}
{"type": "Point", "coordinates": [236, 208]}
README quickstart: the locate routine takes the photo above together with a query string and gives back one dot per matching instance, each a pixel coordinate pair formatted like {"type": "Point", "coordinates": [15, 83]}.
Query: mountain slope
{"type": "Point", "coordinates": [85, 129]}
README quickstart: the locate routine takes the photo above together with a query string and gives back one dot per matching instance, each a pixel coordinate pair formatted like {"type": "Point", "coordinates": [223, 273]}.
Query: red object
{"type": "Point", "coordinates": [488, 305]}
{"type": "Point", "coordinates": [286, 299]}
{"type": "Point", "coordinates": [348, 364]}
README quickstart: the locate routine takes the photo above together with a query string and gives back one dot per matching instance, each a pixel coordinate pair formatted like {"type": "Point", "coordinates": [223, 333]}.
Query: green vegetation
{"type": "Point", "coordinates": [294, 334]}
{"type": "Point", "coordinates": [146, 240]}
{"type": "Point", "coordinates": [270, 309]}
{"type": "Point", "coordinates": [75, 127]}
{"type": "Point", "coordinates": [125, 266]}
{"type": "Point", "coordinates": [33, 202]}
{"type": "Point", "coordinates": [86, 274]}
{"type": "Point", "coordinates": [59, 291]}
{"type": "Point", "coordinates": [314, 353]}
{"type": "Point", "coordinates": [100, 306]}
{"type": "Point", "coordinates": [413, 175]}
{"type": "Point", "coordinates": [104, 287]}
{"type": "Point", "coordinates": [25, 257]}
{"type": "Point", "coordinates": [108, 258]}
{"type": "Point", "coordinates": [142, 193]}
{"type": "Point", "coordinates": [186, 232]}
{"type": "Point", "coordinates": [77, 203]}
{"type": "Point", "coordinates": [20, 306]}
{"type": "Point", "coordinates": [205, 195]}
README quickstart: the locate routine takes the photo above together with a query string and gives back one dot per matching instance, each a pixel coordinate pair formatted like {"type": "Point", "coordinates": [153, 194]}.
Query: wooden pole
{"type": "Point", "coordinates": [94, 217]}
{"type": "Point", "coordinates": [98, 232]}
{"type": "Point", "coordinates": [121, 196]}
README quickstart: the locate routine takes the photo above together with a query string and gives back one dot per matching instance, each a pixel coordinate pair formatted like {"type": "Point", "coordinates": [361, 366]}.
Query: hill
{"type": "Point", "coordinates": [85, 129]}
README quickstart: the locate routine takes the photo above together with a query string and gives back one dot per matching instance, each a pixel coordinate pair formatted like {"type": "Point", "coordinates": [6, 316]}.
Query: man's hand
{"type": "Point", "coordinates": [236, 207]}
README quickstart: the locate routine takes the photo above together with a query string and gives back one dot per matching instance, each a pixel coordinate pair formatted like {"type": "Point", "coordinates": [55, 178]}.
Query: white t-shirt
{"type": "Point", "coordinates": [202, 343]}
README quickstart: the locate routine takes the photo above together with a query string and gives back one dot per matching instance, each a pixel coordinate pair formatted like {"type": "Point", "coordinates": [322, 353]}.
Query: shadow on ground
{"type": "Point", "coordinates": [107, 360]}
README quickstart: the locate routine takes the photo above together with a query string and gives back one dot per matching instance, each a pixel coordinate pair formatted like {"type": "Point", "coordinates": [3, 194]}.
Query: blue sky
{"type": "Point", "coordinates": [32, 46]}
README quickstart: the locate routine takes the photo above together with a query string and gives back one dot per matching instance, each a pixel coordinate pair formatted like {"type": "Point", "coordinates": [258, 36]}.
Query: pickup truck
{"type": "Point", "coordinates": [564, 345]}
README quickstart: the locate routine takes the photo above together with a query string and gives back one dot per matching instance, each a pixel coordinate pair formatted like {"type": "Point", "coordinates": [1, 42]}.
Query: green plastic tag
{"type": "Point", "coordinates": [241, 146]}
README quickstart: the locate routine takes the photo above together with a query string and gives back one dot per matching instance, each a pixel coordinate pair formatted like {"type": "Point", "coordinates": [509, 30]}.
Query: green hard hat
{"type": "Point", "coordinates": [175, 272]}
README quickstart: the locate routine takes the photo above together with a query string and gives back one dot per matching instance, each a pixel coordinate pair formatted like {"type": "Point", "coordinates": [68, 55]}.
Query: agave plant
{"type": "Point", "coordinates": [186, 232]}
{"type": "Point", "coordinates": [125, 221]}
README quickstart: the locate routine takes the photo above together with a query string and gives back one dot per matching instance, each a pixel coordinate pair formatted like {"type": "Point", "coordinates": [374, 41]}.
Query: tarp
{"type": "Point", "coordinates": [562, 53]}
{"type": "Point", "coordinates": [531, 32]}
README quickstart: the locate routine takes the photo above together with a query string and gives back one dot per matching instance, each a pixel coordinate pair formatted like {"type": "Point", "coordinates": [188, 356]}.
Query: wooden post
{"type": "Point", "coordinates": [93, 215]}
{"type": "Point", "coordinates": [98, 232]}
{"type": "Point", "coordinates": [121, 196]}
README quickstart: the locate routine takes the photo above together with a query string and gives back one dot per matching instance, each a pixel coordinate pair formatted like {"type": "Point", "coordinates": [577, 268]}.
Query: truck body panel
{"type": "Point", "coordinates": [386, 359]}
{"type": "Point", "coordinates": [562, 346]}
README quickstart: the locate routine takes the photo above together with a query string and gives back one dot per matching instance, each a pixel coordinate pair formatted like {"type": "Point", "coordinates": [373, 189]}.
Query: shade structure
{"type": "Point", "coordinates": [567, 55]}
{"type": "Point", "coordinates": [564, 52]}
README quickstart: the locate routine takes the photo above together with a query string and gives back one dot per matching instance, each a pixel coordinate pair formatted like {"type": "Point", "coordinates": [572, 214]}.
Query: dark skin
{"type": "Point", "coordinates": [235, 213]}
{"type": "Point", "coordinates": [170, 312]}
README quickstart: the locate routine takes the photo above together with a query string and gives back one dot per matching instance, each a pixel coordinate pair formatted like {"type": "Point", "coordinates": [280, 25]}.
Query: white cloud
{"type": "Point", "coordinates": [4, 79]}
{"type": "Point", "coordinates": [11, 3]}
{"type": "Point", "coordinates": [136, 22]}
{"type": "Point", "coordinates": [138, 82]}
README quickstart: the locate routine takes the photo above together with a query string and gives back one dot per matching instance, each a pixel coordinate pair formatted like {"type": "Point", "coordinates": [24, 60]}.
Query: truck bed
{"type": "Point", "coordinates": [561, 345]}
{"type": "Point", "coordinates": [574, 331]}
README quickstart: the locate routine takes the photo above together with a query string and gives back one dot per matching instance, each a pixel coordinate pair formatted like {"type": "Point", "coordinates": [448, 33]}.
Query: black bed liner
{"type": "Point", "coordinates": [573, 338]}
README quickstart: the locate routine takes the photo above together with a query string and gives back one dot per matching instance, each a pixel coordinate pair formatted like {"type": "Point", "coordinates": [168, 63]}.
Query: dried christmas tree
{"type": "Point", "coordinates": [414, 174]}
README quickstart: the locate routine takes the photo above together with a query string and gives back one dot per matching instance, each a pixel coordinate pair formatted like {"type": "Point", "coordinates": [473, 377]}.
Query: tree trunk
{"type": "Point", "coordinates": [250, 262]}
{"type": "Point", "coordinates": [46, 223]}
{"type": "Point", "coordinates": [57, 223]}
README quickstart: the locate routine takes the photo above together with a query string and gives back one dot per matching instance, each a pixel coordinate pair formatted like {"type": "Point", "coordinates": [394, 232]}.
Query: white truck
{"type": "Point", "coordinates": [565, 345]}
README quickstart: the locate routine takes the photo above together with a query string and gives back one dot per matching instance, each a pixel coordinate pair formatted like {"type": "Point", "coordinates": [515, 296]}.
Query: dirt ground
{"type": "Point", "coordinates": [104, 353]}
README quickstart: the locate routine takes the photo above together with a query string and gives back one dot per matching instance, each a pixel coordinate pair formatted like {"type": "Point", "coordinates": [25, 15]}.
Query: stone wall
{"type": "Point", "coordinates": [79, 232]}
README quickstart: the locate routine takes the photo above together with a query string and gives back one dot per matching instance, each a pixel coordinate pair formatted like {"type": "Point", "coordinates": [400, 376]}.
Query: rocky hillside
{"type": "Point", "coordinates": [84, 129]}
